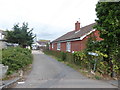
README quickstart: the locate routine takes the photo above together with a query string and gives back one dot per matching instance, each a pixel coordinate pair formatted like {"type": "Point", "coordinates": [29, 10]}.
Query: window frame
{"type": "Point", "coordinates": [68, 46]}
{"type": "Point", "coordinates": [58, 46]}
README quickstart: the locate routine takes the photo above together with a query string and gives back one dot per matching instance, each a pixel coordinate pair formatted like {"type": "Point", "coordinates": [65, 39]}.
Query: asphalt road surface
{"type": "Point", "coordinates": [49, 73]}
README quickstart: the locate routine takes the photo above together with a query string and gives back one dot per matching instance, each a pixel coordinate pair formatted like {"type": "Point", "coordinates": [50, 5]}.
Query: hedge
{"type": "Point", "coordinates": [16, 58]}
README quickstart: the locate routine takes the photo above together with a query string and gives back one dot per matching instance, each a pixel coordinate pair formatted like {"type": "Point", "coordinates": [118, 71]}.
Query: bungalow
{"type": "Point", "coordinates": [75, 40]}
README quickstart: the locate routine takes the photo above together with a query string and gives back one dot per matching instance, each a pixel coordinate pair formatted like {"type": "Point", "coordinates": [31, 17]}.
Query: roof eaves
{"type": "Point", "coordinates": [81, 38]}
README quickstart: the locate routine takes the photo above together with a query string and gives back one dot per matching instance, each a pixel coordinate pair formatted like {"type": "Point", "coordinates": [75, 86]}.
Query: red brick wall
{"type": "Point", "coordinates": [96, 33]}
{"type": "Point", "coordinates": [75, 46]}
{"type": "Point", "coordinates": [78, 45]}
{"type": "Point", "coordinates": [63, 46]}
{"type": "Point", "coordinates": [83, 43]}
{"type": "Point", "coordinates": [55, 46]}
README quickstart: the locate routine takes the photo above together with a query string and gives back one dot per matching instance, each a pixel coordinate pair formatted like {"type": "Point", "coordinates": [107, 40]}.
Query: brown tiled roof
{"type": "Point", "coordinates": [76, 34]}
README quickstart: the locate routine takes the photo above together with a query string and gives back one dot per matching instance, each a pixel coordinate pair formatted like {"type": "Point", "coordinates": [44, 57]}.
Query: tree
{"type": "Point", "coordinates": [21, 35]}
{"type": "Point", "coordinates": [108, 23]}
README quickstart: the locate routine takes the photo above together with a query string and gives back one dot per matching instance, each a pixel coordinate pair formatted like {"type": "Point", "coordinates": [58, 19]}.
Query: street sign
{"type": "Point", "coordinates": [92, 53]}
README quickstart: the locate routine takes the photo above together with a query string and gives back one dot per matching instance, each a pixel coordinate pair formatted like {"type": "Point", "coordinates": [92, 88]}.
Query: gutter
{"type": "Point", "coordinates": [10, 83]}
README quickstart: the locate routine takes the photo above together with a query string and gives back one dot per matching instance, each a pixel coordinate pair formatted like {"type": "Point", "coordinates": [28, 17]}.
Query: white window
{"type": "Point", "coordinates": [58, 46]}
{"type": "Point", "coordinates": [52, 45]}
{"type": "Point", "coordinates": [68, 46]}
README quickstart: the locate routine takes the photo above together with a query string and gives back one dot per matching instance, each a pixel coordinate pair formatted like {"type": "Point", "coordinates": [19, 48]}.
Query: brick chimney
{"type": "Point", "coordinates": [77, 26]}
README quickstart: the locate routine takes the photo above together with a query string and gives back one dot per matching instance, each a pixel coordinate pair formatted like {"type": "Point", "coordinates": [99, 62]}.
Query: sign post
{"type": "Point", "coordinates": [94, 54]}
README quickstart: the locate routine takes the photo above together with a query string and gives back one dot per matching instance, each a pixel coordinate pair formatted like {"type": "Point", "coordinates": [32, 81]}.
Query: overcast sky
{"type": "Point", "coordinates": [49, 18]}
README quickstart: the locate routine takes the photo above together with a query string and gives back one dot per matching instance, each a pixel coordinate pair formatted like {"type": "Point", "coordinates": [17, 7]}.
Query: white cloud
{"type": "Point", "coordinates": [56, 15]}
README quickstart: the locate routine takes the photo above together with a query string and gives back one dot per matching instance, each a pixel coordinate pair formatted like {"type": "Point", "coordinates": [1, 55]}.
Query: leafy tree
{"type": "Point", "coordinates": [21, 35]}
{"type": "Point", "coordinates": [91, 43]}
{"type": "Point", "coordinates": [108, 23]}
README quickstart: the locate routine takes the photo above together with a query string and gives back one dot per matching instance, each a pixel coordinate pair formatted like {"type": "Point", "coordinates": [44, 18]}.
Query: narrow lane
{"type": "Point", "coordinates": [49, 73]}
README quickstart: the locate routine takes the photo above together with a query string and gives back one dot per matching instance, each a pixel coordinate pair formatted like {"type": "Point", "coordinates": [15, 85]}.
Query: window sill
{"type": "Point", "coordinates": [58, 49]}
{"type": "Point", "coordinates": [68, 50]}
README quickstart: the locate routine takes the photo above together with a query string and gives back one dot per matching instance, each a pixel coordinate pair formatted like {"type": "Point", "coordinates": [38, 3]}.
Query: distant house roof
{"type": "Point", "coordinates": [3, 32]}
{"type": "Point", "coordinates": [43, 42]}
{"type": "Point", "coordinates": [76, 34]}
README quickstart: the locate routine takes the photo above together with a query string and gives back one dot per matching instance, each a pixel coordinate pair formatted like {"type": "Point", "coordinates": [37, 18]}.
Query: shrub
{"type": "Point", "coordinates": [16, 58]}
{"type": "Point", "coordinates": [79, 57]}
{"type": "Point", "coordinates": [63, 56]}
{"type": "Point", "coordinates": [69, 57]}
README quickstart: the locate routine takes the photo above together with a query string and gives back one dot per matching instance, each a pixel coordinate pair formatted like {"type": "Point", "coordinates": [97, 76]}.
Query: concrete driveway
{"type": "Point", "coordinates": [49, 73]}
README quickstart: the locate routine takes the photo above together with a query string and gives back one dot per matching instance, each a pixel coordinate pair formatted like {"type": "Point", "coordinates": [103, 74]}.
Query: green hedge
{"type": "Point", "coordinates": [77, 58]}
{"type": "Point", "coordinates": [60, 55]}
{"type": "Point", "coordinates": [16, 58]}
